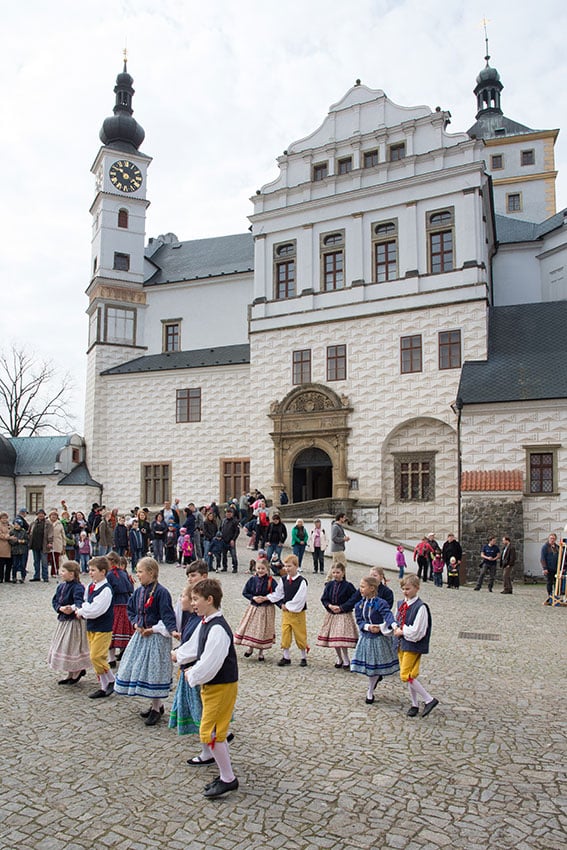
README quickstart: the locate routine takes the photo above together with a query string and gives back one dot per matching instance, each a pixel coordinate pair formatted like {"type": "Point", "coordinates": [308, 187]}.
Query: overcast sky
{"type": "Point", "coordinates": [221, 90]}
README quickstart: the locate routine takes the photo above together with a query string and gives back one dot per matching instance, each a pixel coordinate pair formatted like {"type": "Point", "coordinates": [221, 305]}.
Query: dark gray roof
{"type": "Point", "coordinates": [490, 121]}
{"type": "Point", "coordinates": [79, 477]}
{"type": "Point", "coordinates": [527, 356]}
{"type": "Point", "coordinates": [201, 258]}
{"type": "Point", "coordinates": [225, 356]}
{"type": "Point", "coordinates": [513, 230]}
{"type": "Point", "coordinates": [7, 457]}
{"type": "Point", "coordinates": [38, 455]}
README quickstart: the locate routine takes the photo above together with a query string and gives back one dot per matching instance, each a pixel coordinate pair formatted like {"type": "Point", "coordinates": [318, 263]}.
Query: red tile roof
{"type": "Point", "coordinates": [492, 480]}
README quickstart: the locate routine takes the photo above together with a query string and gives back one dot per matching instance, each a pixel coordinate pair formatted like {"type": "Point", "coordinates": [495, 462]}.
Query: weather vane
{"type": "Point", "coordinates": [486, 21]}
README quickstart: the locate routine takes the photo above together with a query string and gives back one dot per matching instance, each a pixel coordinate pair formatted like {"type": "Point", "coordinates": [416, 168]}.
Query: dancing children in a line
{"type": "Point", "coordinates": [413, 630]}
{"type": "Point", "coordinates": [69, 649]}
{"type": "Point", "coordinates": [145, 666]}
{"type": "Point", "coordinates": [338, 630]}
{"type": "Point", "coordinates": [98, 611]}
{"type": "Point", "coordinates": [122, 585]}
{"type": "Point", "coordinates": [292, 592]}
{"type": "Point", "coordinates": [256, 629]}
{"type": "Point", "coordinates": [216, 671]}
{"type": "Point", "coordinates": [374, 655]}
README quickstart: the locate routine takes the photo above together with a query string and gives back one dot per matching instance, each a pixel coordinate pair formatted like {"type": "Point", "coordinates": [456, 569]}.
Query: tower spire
{"type": "Point", "coordinates": [488, 83]}
{"type": "Point", "coordinates": [122, 131]}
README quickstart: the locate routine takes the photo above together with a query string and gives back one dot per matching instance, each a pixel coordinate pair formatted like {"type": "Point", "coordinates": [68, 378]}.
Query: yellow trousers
{"type": "Point", "coordinates": [294, 624]}
{"type": "Point", "coordinates": [218, 704]}
{"type": "Point", "coordinates": [409, 664]}
{"type": "Point", "coordinates": [99, 644]}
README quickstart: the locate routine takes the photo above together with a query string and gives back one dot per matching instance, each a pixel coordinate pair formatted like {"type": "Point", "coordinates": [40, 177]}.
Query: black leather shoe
{"type": "Point", "coordinates": [369, 700]}
{"type": "Point", "coordinates": [219, 787]}
{"type": "Point", "coordinates": [68, 681]}
{"type": "Point", "coordinates": [413, 711]}
{"type": "Point", "coordinates": [229, 737]}
{"type": "Point", "coordinates": [211, 783]}
{"type": "Point", "coordinates": [429, 706]}
{"type": "Point", "coordinates": [283, 662]}
{"type": "Point", "coordinates": [110, 689]}
{"type": "Point", "coordinates": [34, 579]}
{"type": "Point", "coordinates": [153, 717]}
{"type": "Point", "coordinates": [147, 713]}
{"type": "Point", "coordinates": [303, 662]}
{"type": "Point", "coordinates": [100, 694]}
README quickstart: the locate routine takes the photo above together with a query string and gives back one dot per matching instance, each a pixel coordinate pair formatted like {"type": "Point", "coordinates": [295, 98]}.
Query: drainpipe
{"type": "Point", "coordinates": [457, 408]}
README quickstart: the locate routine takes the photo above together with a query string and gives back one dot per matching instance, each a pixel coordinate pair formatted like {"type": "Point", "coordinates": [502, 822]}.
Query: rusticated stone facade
{"type": "Point", "coordinates": [484, 515]}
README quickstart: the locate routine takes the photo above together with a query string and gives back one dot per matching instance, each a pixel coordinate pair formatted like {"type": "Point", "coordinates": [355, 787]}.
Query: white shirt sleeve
{"type": "Point", "coordinates": [215, 651]}
{"type": "Point", "coordinates": [278, 593]}
{"type": "Point", "coordinates": [160, 629]}
{"type": "Point", "coordinates": [99, 605]}
{"type": "Point", "coordinates": [187, 652]}
{"type": "Point", "coordinates": [418, 628]}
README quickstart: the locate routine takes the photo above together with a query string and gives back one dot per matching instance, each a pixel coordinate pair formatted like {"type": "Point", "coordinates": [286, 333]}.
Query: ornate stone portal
{"type": "Point", "coordinates": [310, 416]}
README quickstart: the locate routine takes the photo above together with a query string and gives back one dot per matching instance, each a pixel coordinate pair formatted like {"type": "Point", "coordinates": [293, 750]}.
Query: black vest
{"type": "Point", "coordinates": [229, 670]}
{"type": "Point", "coordinates": [290, 588]}
{"type": "Point", "coordinates": [105, 621]}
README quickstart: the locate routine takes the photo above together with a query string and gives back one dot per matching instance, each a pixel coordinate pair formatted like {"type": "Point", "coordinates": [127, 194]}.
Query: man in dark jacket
{"type": "Point", "coordinates": [507, 559]}
{"type": "Point", "coordinates": [230, 529]}
{"type": "Point", "coordinates": [451, 549]}
{"type": "Point", "coordinates": [41, 544]}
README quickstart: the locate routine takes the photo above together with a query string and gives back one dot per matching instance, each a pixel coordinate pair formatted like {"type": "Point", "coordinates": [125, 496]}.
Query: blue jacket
{"type": "Point", "coordinates": [121, 584]}
{"type": "Point", "coordinates": [145, 613]}
{"type": "Point", "coordinates": [372, 611]}
{"type": "Point", "coordinates": [259, 586]}
{"type": "Point", "coordinates": [342, 593]}
{"type": "Point", "coordinates": [68, 593]}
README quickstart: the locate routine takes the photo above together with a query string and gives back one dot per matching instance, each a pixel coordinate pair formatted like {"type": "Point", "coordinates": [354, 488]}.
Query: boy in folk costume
{"type": "Point", "coordinates": [413, 630]}
{"type": "Point", "coordinates": [292, 593]}
{"type": "Point", "coordinates": [98, 611]}
{"type": "Point", "coordinates": [211, 646]}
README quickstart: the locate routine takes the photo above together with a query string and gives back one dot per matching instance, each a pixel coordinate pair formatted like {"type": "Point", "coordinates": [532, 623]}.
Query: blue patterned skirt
{"type": "Point", "coordinates": [187, 708]}
{"type": "Point", "coordinates": [145, 667]}
{"type": "Point", "coordinates": [375, 655]}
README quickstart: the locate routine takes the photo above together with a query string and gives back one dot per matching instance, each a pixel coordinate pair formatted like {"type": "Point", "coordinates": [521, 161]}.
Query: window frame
{"type": "Point", "coordinates": [404, 492]}
{"type": "Point", "coordinates": [443, 228]}
{"type": "Point", "coordinates": [35, 499]}
{"type": "Point", "coordinates": [301, 366]}
{"type": "Point", "coordinates": [344, 165]}
{"type": "Point", "coordinates": [229, 473]}
{"type": "Point", "coordinates": [332, 247]}
{"type": "Point", "coordinates": [285, 261]}
{"type": "Point", "coordinates": [123, 216]}
{"type": "Point", "coordinates": [320, 171]}
{"type": "Point", "coordinates": [511, 205]}
{"type": "Point", "coordinates": [493, 158]}
{"type": "Point", "coordinates": [529, 154]}
{"type": "Point", "coordinates": [534, 451]}
{"type": "Point", "coordinates": [156, 483]}
{"type": "Point", "coordinates": [108, 308]}
{"type": "Point", "coordinates": [374, 154]}
{"type": "Point", "coordinates": [337, 362]}
{"type": "Point", "coordinates": [388, 237]}
{"type": "Point", "coordinates": [166, 326]}
{"type": "Point", "coordinates": [188, 405]}
{"type": "Point", "coordinates": [395, 149]}
{"type": "Point", "coordinates": [411, 349]}
{"type": "Point", "coordinates": [447, 348]}
{"type": "Point", "coordinates": [121, 262]}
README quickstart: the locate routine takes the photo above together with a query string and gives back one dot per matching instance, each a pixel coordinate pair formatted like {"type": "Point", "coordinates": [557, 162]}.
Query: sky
{"type": "Point", "coordinates": [221, 90]}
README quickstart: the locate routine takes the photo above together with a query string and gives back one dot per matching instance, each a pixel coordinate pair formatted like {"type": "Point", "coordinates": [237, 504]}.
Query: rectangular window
{"type": "Point", "coordinates": [171, 336]}
{"type": "Point", "coordinates": [301, 366]}
{"type": "Point", "coordinates": [345, 165]}
{"type": "Point", "coordinates": [527, 157]}
{"type": "Point", "coordinates": [284, 270]}
{"type": "Point", "coordinates": [410, 354]}
{"type": "Point", "coordinates": [514, 202]}
{"type": "Point", "coordinates": [396, 152]}
{"type": "Point", "coordinates": [156, 486]}
{"type": "Point", "coordinates": [496, 161]}
{"type": "Point", "coordinates": [385, 250]}
{"type": "Point", "coordinates": [320, 171]}
{"type": "Point", "coordinates": [235, 478]}
{"type": "Point", "coordinates": [121, 262]}
{"type": "Point", "coordinates": [120, 325]}
{"type": "Point", "coordinates": [123, 218]}
{"type": "Point", "coordinates": [35, 499]}
{"type": "Point", "coordinates": [414, 481]}
{"type": "Point", "coordinates": [541, 468]}
{"type": "Point", "coordinates": [369, 159]}
{"type": "Point", "coordinates": [450, 350]}
{"type": "Point", "coordinates": [440, 230]}
{"type": "Point", "coordinates": [336, 362]}
{"type": "Point", "coordinates": [332, 261]}
{"type": "Point", "coordinates": [188, 405]}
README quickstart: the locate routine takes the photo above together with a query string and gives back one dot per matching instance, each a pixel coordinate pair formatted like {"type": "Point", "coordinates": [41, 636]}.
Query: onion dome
{"type": "Point", "coordinates": [121, 130]}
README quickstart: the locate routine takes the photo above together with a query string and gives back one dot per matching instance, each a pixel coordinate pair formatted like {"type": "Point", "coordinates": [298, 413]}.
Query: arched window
{"type": "Point", "coordinates": [385, 253]}
{"type": "Point", "coordinates": [441, 238]}
{"type": "Point", "coordinates": [123, 218]}
{"type": "Point", "coordinates": [332, 261]}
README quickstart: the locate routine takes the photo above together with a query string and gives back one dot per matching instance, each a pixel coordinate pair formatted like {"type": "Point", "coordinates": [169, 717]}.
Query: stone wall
{"type": "Point", "coordinates": [484, 515]}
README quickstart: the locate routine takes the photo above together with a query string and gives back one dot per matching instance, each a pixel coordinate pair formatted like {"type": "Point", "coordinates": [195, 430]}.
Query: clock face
{"type": "Point", "coordinates": [125, 176]}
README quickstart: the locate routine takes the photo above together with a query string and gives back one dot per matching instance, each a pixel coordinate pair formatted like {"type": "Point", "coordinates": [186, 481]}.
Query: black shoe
{"type": "Point", "coordinates": [77, 677]}
{"type": "Point", "coordinates": [68, 681]}
{"type": "Point", "coordinates": [303, 662]}
{"type": "Point", "coordinates": [112, 664]}
{"type": "Point", "coordinates": [234, 571]}
{"type": "Point", "coordinates": [100, 694]}
{"type": "Point", "coordinates": [369, 700]}
{"type": "Point", "coordinates": [197, 760]}
{"type": "Point", "coordinates": [476, 588]}
{"type": "Point", "coordinates": [219, 787]}
{"type": "Point", "coordinates": [429, 706]}
{"type": "Point", "coordinates": [110, 689]}
{"type": "Point", "coordinates": [147, 713]}
{"type": "Point", "coordinates": [229, 737]}
{"type": "Point", "coordinates": [34, 579]}
{"type": "Point", "coordinates": [283, 662]}
{"type": "Point", "coordinates": [211, 783]}
{"type": "Point", "coordinates": [153, 717]}
{"type": "Point", "coordinates": [413, 711]}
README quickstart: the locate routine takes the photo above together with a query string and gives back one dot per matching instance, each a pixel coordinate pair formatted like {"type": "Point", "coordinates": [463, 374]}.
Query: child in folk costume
{"type": "Point", "coordinates": [122, 585]}
{"type": "Point", "coordinates": [186, 711]}
{"type": "Point", "coordinates": [292, 593]}
{"type": "Point", "coordinates": [383, 591]}
{"type": "Point", "coordinates": [145, 666]}
{"type": "Point", "coordinates": [216, 670]}
{"type": "Point", "coordinates": [256, 629]}
{"type": "Point", "coordinates": [412, 631]}
{"type": "Point", "coordinates": [453, 574]}
{"type": "Point", "coordinates": [338, 630]}
{"type": "Point", "coordinates": [98, 611]}
{"type": "Point", "coordinates": [69, 649]}
{"type": "Point", "coordinates": [374, 655]}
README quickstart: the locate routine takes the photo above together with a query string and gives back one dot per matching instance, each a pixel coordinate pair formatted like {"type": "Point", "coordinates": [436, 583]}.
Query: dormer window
{"type": "Point", "coordinates": [123, 218]}
{"type": "Point", "coordinates": [370, 159]}
{"type": "Point", "coordinates": [397, 151]}
{"type": "Point", "coordinates": [344, 166]}
{"type": "Point", "coordinates": [320, 171]}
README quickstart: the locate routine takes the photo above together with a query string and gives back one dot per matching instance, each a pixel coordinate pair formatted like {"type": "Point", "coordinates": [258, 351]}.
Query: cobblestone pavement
{"type": "Point", "coordinates": [318, 768]}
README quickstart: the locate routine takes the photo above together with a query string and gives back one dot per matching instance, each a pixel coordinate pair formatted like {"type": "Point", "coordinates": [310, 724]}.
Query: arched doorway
{"type": "Point", "coordinates": [312, 476]}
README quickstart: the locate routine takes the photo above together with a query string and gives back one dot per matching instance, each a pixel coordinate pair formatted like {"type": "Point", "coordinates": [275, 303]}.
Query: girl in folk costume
{"type": "Point", "coordinates": [256, 629]}
{"type": "Point", "coordinates": [186, 711]}
{"type": "Point", "coordinates": [122, 585]}
{"type": "Point", "coordinates": [383, 591]}
{"type": "Point", "coordinates": [145, 666]}
{"type": "Point", "coordinates": [413, 630]}
{"type": "Point", "coordinates": [338, 630]}
{"type": "Point", "coordinates": [69, 648]}
{"type": "Point", "coordinates": [374, 655]}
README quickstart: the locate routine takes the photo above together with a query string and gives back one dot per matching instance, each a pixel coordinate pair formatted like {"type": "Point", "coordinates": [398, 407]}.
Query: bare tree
{"type": "Point", "coordinates": [33, 396]}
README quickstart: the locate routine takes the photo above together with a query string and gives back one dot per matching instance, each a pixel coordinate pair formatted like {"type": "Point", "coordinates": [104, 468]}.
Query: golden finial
{"type": "Point", "coordinates": [125, 54]}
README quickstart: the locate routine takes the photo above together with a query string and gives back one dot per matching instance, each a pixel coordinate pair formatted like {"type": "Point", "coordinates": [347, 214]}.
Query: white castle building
{"type": "Point", "coordinates": [385, 338]}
